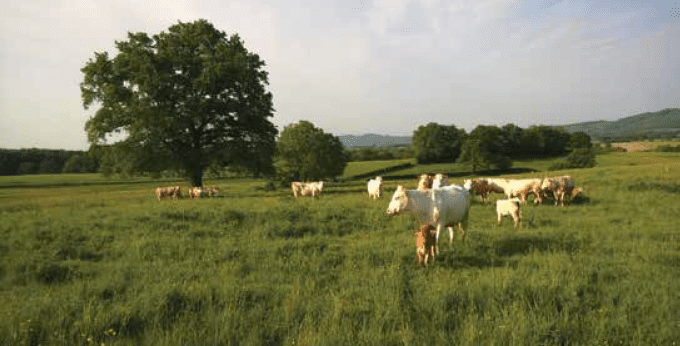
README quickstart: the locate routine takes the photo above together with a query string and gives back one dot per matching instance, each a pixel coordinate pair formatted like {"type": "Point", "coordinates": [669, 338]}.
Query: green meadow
{"type": "Point", "coordinates": [91, 261]}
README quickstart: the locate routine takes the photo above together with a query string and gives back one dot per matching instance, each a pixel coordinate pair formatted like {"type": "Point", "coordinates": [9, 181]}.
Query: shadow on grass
{"type": "Point", "coordinates": [523, 245]}
{"type": "Point", "coordinates": [499, 254]}
{"type": "Point", "coordinates": [517, 170]}
{"type": "Point", "coordinates": [452, 260]}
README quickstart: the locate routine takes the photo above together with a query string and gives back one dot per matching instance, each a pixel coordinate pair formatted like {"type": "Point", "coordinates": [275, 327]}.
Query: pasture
{"type": "Point", "coordinates": [96, 262]}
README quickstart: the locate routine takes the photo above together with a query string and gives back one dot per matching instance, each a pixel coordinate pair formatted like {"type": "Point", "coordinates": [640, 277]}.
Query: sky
{"type": "Point", "coordinates": [362, 66]}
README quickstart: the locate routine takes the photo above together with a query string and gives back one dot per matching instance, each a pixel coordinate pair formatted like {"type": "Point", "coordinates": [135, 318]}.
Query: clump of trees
{"type": "Point", "coordinates": [305, 152]}
{"type": "Point", "coordinates": [184, 99]}
{"type": "Point", "coordinates": [486, 148]}
{"type": "Point", "coordinates": [491, 147]}
{"type": "Point", "coordinates": [437, 143]}
{"type": "Point", "coordinates": [36, 161]}
{"type": "Point", "coordinates": [578, 158]}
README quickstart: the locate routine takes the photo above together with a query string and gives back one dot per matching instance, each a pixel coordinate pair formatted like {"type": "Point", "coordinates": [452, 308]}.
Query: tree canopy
{"type": "Point", "coordinates": [434, 143]}
{"type": "Point", "coordinates": [305, 152]}
{"type": "Point", "coordinates": [183, 100]}
{"type": "Point", "coordinates": [486, 148]}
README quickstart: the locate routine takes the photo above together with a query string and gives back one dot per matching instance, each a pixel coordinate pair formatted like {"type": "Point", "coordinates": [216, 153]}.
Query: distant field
{"type": "Point", "coordinates": [107, 264]}
{"type": "Point", "coordinates": [643, 145]}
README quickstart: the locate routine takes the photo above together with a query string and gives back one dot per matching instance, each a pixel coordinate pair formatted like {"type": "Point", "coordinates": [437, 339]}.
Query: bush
{"type": "Point", "coordinates": [578, 158]}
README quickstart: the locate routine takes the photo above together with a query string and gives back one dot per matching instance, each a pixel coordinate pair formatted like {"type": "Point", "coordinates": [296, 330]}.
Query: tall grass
{"type": "Point", "coordinates": [111, 265]}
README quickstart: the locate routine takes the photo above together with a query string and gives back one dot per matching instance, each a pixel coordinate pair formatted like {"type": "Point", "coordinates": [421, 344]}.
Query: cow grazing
{"type": "Point", "coordinates": [560, 187]}
{"type": "Point", "coordinates": [484, 186]}
{"type": "Point", "coordinates": [440, 180]}
{"type": "Point", "coordinates": [509, 207]}
{"type": "Point", "coordinates": [212, 191]}
{"type": "Point", "coordinates": [375, 188]}
{"type": "Point", "coordinates": [425, 182]}
{"type": "Point", "coordinates": [444, 207]}
{"type": "Point", "coordinates": [425, 243]}
{"type": "Point", "coordinates": [197, 192]}
{"type": "Point", "coordinates": [168, 191]}
{"type": "Point", "coordinates": [307, 189]}
{"type": "Point", "coordinates": [523, 188]}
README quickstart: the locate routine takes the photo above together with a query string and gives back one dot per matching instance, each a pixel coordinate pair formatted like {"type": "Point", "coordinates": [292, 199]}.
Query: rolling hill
{"type": "Point", "coordinates": [371, 139]}
{"type": "Point", "coordinates": [662, 124]}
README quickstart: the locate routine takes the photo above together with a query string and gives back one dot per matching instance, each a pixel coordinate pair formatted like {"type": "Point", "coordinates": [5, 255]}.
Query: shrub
{"type": "Point", "coordinates": [578, 158]}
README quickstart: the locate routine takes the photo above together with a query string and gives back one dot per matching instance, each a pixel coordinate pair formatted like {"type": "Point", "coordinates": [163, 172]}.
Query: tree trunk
{"type": "Point", "coordinates": [196, 177]}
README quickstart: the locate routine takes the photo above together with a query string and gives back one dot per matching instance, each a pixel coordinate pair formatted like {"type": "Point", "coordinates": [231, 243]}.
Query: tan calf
{"type": "Point", "coordinates": [426, 237]}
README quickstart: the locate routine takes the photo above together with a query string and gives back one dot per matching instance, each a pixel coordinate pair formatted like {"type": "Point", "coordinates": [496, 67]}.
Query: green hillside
{"type": "Point", "coordinates": [661, 124]}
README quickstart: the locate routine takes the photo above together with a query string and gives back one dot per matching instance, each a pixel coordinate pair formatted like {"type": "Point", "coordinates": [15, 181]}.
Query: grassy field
{"type": "Point", "coordinates": [360, 168]}
{"type": "Point", "coordinates": [644, 145]}
{"type": "Point", "coordinates": [105, 263]}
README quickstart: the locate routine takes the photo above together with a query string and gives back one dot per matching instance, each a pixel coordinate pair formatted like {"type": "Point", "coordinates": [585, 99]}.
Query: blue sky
{"type": "Point", "coordinates": [354, 67]}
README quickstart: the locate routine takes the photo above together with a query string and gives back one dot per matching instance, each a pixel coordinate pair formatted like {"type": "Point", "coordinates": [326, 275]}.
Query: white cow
{"type": "Point", "coordinates": [444, 207]}
{"type": "Point", "coordinates": [306, 189]}
{"type": "Point", "coordinates": [168, 191]}
{"type": "Point", "coordinates": [509, 207]}
{"type": "Point", "coordinates": [375, 188]}
{"type": "Point", "coordinates": [560, 187]}
{"type": "Point", "coordinates": [197, 192]}
{"type": "Point", "coordinates": [440, 180]}
{"type": "Point", "coordinates": [523, 188]}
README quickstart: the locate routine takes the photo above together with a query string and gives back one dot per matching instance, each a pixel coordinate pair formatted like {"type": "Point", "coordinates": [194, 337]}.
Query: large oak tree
{"type": "Point", "coordinates": [183, 99]}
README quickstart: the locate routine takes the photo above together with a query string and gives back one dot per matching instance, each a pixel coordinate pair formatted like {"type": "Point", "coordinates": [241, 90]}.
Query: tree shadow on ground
{"type": "Point", "coordinates": [523, 245]}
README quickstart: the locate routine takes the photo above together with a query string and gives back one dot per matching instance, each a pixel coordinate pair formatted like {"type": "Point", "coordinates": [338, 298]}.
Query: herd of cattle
{"type": "Point", "coordinates": [436, 203]}
{"type": "Point", "coordinates": [194, 192]}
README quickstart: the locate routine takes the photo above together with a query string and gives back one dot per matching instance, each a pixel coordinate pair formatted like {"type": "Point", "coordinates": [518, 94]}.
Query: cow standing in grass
{"type": "Point", "coordinates": [426, 238]}
{"type": "Point", "coordinates": [425, 183]}
{"type": "Point", "coordinates": [306, 189]}
{"type": "Point", "coordinates": [560, 187]}
{"type": "Point", "coordinates": [440, 180]}
{"type": "Point", "coordinates": [509, 207]}
{"type": "Point", "coordinates": [523, 188]}
{"type": "Point", "coordinates": [375, 188]}
{"type": "Point", "coordinates": [484, 186]}
{"type": "Point", "coordinates": [168, 191]}
{"type": "Point", "coordinates": [444, 207]}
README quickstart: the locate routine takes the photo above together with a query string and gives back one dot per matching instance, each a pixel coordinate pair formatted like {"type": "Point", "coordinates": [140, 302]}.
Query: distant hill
{"type": "Point", "coordinates": [662, 124]}
{"type": "Point", "coordinates": [371, 139]}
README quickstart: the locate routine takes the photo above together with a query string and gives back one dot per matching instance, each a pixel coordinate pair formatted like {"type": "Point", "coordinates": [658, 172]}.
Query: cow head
{"type": "Point", "coordinates": [399, 202]}
{"type": "Point", "coordinates": [425, 181]}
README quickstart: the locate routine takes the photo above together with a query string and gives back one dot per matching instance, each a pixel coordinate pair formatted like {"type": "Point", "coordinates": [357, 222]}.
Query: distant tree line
{"type": "Point", "coordinates": [492, 147]}
{"type": "Point", "coordinates": [39, 161]}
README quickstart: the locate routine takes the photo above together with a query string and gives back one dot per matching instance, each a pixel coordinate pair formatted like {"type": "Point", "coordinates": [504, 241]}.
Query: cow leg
{"type": "Point", "coordinates": [463, 225]}
{"type": "Point", "coordinates": [450, 234]}
{"type": "Point", "coordinates": [436, 246]}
